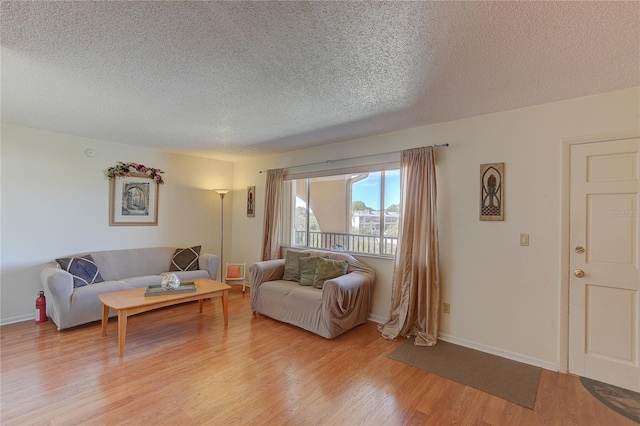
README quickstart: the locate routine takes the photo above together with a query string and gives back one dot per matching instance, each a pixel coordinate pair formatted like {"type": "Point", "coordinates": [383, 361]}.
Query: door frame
{"type": "Point", "coordinates": [563, 347]}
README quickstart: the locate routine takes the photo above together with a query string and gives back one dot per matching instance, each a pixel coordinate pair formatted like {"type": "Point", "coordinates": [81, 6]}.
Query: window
{"type": "Point", "coordinates": [355, 212]}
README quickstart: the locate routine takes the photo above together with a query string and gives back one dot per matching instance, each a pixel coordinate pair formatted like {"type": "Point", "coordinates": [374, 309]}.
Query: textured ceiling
{"type": "Point", "coordinates": [232, 79]}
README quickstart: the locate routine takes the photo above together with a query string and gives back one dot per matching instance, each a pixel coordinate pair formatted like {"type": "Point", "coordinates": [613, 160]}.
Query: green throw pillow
{"type": "Point", "coordinates": [327, 269]}
{"type": "Point", "coordinates": [308, 270]}
{"type": "Point", "coordinates": [292, 265]}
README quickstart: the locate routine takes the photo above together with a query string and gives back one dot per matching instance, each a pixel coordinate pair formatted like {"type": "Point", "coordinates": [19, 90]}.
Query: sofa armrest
{"type": "Point", "coordinates": [209, 263]}
{"type": "Point", "coordinates": [268, 270]}
{"type": "Point", "coordinates": [58, 288]}
{"type": "Point", "coordinates": [341, 295]}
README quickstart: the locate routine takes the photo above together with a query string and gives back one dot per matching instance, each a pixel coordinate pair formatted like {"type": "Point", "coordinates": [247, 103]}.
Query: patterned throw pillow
{"type": "Point", "coordinates": [327, 269]}
{"type": "Point", "coordinates": [83, 269]}
{"type": "Point", "coordinates": [185, 259]}
{"type": "Point", "coordinates": [292, 265]}
{"type": "Point", "coordinates": [308, 270]}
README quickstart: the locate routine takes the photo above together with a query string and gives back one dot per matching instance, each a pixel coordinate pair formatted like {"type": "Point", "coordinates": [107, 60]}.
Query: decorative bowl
{"type": "Point", "coordinates": [170, 282]}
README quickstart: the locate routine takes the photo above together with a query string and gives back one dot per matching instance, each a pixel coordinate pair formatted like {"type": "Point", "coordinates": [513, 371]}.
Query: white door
{"type": "Point", "coordinates": [604, 300]}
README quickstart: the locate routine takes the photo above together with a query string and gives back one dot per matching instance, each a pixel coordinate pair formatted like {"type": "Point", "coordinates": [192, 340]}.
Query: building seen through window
{"type": "Point", "coordinates": [358, 212]}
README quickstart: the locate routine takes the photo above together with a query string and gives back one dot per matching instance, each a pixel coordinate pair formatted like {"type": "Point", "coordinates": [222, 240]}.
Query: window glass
{"type": "Point", "coordinates": [300, 214]}
{"type": "Point", "coordinates": [391, 211]}
{"type": "Point", "coordinates": [345, 212]}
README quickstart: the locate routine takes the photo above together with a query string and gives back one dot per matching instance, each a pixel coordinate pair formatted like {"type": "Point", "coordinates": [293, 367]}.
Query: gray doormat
{"type": "Point", "coordinates": [621, 400]}
{"type": "Point", "coordinates": [511, 380]}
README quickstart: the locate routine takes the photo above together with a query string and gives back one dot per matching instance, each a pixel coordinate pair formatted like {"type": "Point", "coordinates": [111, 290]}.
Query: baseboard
{"type": "Point", "coordinates": [13, 320]}
{"type": "Point", "coordinates": [499, 352]}
{"type": "Point", "coordinates": [378, 319]}
{"type": "Point", "coordinates": [485, 348]}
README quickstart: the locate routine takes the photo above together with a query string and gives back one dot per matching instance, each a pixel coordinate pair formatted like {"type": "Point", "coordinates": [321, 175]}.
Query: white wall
{"type": "Point", "coordinates": [503, 297]}
{"type": "Point", "coordinates": [55, 202]}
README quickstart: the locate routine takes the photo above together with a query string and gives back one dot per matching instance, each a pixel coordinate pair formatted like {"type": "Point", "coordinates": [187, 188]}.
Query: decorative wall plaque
{"type": "Point", "coordinates": [492, 191]}
{"type": "Point", "coordinates": [251, 201]}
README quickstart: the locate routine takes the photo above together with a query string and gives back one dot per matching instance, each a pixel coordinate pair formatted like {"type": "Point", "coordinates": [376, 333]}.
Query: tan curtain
{"type": "Point", "coordinates": [415, 296]}
{"type": "Point", "coordinates": [272, 201]}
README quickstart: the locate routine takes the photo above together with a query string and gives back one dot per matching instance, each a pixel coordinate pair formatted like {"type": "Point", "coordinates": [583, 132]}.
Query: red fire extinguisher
{"type": "Point", "coordinates": [41, 308]}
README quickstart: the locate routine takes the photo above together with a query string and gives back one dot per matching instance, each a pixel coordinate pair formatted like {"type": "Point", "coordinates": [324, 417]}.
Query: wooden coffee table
{"type": "Point", "coordinates": [131, 302]}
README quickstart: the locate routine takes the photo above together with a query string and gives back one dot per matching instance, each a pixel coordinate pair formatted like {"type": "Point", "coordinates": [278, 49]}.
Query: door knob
{"type": "Point", "coordinates": [578, 273]}
{"type": "Point", "coordinates": [579, 249]}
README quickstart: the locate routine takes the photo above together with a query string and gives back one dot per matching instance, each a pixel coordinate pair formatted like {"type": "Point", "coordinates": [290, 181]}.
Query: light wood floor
{"type": "Point", "coordinates": [181, 367]}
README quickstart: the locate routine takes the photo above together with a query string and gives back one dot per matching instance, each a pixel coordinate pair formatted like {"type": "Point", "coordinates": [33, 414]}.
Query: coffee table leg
{"type": "Point", "coordinates": [105, 319]}
{"type": "Point", "coordinates": [225, 307]}
{"type": "Point", "coordinates": [200, 305]}
{"type": "Point", "coordinates": [122, 330]}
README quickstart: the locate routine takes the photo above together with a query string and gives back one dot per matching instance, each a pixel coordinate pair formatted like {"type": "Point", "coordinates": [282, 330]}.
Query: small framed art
{"type": "Point", "coordinates": [133, 200]}
{"type": "Point", "coordinates": [251, 201]}
{"type": "Point", "coordinates": [492, 192]}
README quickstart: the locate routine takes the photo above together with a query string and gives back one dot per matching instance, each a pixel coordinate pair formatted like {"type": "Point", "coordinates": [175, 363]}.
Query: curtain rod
{"type": "Point", "coordinates": [443, 145]}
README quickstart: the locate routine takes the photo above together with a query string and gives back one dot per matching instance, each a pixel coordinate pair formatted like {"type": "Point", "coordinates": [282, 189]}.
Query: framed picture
{"type": "Point", "coordinates": [133, 201]}
{"type": "Point", "coordinates": [251, 201]}
{"type": "Point", "coordinates": [492, 191]}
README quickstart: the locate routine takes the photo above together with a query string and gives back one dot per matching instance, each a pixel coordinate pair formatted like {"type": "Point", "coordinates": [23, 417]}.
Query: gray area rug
{"type": "Point", "coordinates": [511, 380]}
{"type": "Point", "coordinates": [621, 400]}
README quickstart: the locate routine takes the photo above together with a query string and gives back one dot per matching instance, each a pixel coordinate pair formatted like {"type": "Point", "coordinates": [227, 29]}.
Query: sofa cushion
{"type": "Point", "coordinates": [291, 298]}
{"type": "Point", "coordinates": [185, 259]}
{"type": "Point", "coordinates": [86, 297]}
{"type": "Point", "coordinates": [84, 270]}
{"type": "Point", "coordinates": [143, 281]}
{"type": "Point", "coordinates": [308, 270]}
{"type": "Point", "coordinates": [292, 265]}
{"type": "Point", "coordinates": [120, 264]}
{"type": "Point", "coordinates": [327, 269]}
{"type": "Point", "coordinates": [292, 303]}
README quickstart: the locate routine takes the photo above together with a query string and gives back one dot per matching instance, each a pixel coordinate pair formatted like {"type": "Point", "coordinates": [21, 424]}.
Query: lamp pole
{"type": "Point", "coordinates": [222, 193]}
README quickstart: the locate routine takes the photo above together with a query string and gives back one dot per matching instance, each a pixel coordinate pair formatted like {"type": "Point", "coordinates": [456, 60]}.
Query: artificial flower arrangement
{"type": "Point", "coordinates": [126, 169]}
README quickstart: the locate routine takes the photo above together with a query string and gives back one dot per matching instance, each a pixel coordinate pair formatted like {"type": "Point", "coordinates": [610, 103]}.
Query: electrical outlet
{"type": "Point", "coordinates": [524, 239]}
{"type": "Point", "coordinates": [446, 308]}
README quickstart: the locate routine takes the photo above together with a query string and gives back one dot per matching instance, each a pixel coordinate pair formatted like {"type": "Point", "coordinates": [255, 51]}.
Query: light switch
{"type": "Point", "coordinates": [524, 239]}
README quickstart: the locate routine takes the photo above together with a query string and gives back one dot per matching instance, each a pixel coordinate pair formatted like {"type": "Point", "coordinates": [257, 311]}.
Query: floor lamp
{"type": "Point", "coordinates": [222, 193]}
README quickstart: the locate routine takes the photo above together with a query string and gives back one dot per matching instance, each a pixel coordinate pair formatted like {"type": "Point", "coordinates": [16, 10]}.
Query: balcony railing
{"type": "Point", "coordinates": [336, 241]}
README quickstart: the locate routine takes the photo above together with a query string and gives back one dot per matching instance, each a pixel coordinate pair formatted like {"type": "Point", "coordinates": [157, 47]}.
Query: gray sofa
{"type": "Point", "coordinates": [121, 270]}
{"type": "Point", "coordinates": [341, 304]}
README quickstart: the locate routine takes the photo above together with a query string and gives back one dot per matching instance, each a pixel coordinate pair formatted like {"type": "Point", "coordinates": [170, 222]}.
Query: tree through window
{"type": "Point", "coordinates": [357, 212]}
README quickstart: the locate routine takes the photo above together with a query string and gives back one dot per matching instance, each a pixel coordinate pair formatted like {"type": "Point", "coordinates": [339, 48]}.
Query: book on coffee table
{"type": "Point", "coordinates": [156, 290]}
